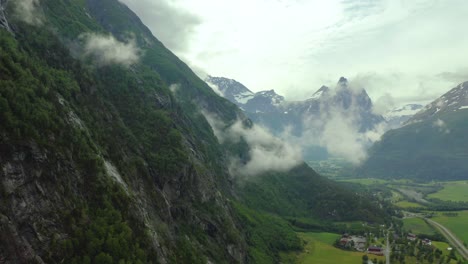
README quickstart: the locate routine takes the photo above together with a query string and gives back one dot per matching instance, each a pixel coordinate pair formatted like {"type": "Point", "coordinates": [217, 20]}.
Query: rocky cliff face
{"type": "Point", "coordinates": [36, 184]}
{"type": "Point", "coordinates": [3, 18]}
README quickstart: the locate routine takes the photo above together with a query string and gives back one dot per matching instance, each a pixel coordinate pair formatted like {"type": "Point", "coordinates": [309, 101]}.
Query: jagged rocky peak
{"type": "Point", "coordinates": [343, 81]}
{"type": "Point", "coordinates": [276, 98]}
{"type": "Point", "coordinates": [346, 96]}
{"type": "Point", "coordinates": [231, 89]}
{"type": "Point", "coordinates": [323, 91]}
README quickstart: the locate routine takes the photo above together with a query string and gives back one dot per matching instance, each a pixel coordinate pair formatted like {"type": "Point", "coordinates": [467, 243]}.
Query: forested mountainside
{"type": "Point", "coordinates": [106, 155]}
{"type": "Point", "coordinates": [430, 146]}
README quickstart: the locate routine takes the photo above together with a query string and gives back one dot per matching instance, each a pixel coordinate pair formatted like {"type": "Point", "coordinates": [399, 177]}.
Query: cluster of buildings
{"type": "Point", "coordinates": [356, 242]}
{"type": "Point", "coordinates": [375, 250]}
{"type": "Point", "coordinates": [413, 237]}
{"type": "Point", "coordinates": [359, 243]}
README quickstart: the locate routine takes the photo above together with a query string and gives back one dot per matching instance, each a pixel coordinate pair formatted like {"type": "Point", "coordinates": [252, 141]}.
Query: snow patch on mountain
{"type": "Point", "coordinates": [454, 100]}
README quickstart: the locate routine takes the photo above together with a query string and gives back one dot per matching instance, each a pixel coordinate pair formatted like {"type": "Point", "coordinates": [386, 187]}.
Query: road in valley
{"type": "Point", "coordinates": [388, 249]}
{"type": "Point", "coordinates": [454, 241]}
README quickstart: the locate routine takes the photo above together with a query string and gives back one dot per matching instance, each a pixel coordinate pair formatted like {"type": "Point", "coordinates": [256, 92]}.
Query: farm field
{"type": "Point", "coordinates": [417, 226]}
{"type": "Point", "coordinates": [457, 224]}
{"type": "Point", "coordinates": [319, 249]}
{"type": "Point", "coordinates": [406, 204]}
{"type": "Point", "coordinates": [453, 191]}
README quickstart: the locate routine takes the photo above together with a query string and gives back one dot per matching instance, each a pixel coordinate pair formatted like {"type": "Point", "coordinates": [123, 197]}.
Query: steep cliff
{"type": "Point", "coordinates": [99, 159]}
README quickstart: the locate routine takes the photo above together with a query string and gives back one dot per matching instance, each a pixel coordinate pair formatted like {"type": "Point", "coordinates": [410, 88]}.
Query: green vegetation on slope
{"type": "Point", "coordinates": [267, 235]}
{"type": "Point", "coordinates": [303, 193]}
{"type": "Point", "coordinates": [85, 114]}
{"type": "Point", "coordinates": [421, 151]}
{"type": "Point", "coordinates": [31, 110]}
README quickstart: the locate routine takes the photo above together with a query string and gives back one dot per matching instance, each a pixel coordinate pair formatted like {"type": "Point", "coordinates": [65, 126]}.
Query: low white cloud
{"type": "Point", "coordinates": [341, 139]}
{"type": "Point", "coordinates": [174, 88]}
{"type": "Point", "coordinates": [267, 152]}
{"type": "Point", "coordinates": [384, 104]}
{"type": "Point", "coordinates": [28, 11]}
{"type": "Point", "coordinates": [441, 125]}
{"type": "Point", "coordinates": [107, 50]}
{"type": "Point", "coordinates": [340, 135]}
{"type": "Point", "coordinates": [337, 130]}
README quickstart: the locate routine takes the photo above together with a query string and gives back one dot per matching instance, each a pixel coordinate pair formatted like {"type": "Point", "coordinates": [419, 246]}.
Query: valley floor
{"type": "Point", "coordinates": [319, 249]}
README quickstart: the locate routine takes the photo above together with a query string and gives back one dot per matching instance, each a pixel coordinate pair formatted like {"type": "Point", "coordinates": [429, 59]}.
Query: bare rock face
{"type": "Point", "coordinates": [30, 202]}
{"type": "Point", "coordinates": [3, 19]}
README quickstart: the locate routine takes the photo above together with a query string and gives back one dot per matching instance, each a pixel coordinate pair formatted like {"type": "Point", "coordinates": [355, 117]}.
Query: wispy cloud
{"type": "Point", "coordinates": [266, 152]}
{"type": "Point", "coordinates": [107, 50]}
{"type": "Point", "coordinates": [28, 11]}
{"type": "Point", "coordinates": [442, 126]}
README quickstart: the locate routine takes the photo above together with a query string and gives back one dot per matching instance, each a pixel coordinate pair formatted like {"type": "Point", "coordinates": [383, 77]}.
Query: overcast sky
{"type": "Point", "coordinates": [406, 50]}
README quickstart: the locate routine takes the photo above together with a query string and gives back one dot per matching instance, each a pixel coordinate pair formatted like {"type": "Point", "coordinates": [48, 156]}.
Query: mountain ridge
{"type": "Point", "coordinates": [430, 146]}
{"type": "Point", "coordinates": [309, 117]}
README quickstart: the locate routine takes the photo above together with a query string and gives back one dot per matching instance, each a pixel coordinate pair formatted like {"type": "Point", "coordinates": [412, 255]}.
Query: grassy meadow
{"type": "Point", "coordinates": [457, 224]}
{"type": "Point", "coordinates": [453, 191]}
{"type": "Point", "coordinates": [417, 226]}
{"type": "Point", "coordinates": [319, 249]}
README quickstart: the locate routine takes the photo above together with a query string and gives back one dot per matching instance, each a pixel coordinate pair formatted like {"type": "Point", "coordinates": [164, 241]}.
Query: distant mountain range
{"type": "Point", "coordinates": [398, 116]}
{"type": "Point", "coordinates": [431, 145]}
{"type": "Point", "coordinates": [306, 118]}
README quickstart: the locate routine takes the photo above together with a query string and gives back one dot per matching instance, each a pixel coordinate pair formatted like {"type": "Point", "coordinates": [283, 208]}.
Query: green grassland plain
{"type": "Point", "coordinates": [453, 191]}
{"type": "Point", "coordinates": [457, 224]}
{"type": "Point", "coordinates": [319, 249]}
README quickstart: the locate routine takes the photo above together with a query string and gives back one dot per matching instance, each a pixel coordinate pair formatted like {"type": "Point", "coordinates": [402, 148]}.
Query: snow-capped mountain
{"type": "Point", "coordinates": [303, 117]}
{"type": "Point", "coordinates": [398, 116]}
{"type": "Point", "coordinates": [431, 145]}
{"type": "Point", "coordinates": [453, 101]}
{"type": "Point", "coordinates": [234, 91]}
{"type": "Point", "coordinates": [264, 102]}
